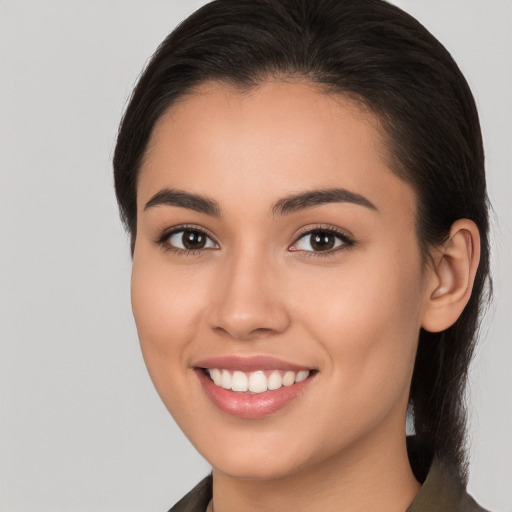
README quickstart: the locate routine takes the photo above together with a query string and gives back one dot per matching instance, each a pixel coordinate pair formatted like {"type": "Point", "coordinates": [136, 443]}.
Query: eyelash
{"type": "Point", "coordinates": [163, 240]}
{"type": "Point", "coordinates": [346, 241]}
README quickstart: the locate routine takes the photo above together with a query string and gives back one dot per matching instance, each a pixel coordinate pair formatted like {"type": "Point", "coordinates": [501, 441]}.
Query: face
{"type": "Point", "coordinates": [276, 254]}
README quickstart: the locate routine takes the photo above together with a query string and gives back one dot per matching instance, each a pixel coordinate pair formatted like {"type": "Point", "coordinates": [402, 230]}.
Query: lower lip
{"type": "Point", "coordinates": [247, 405]}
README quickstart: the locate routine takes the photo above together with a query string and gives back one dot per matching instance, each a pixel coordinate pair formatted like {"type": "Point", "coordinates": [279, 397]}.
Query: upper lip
{"type": "Point", "coordinates": [249, 363]}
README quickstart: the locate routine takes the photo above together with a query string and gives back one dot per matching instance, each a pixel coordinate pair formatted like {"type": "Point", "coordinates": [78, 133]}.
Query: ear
{"type": "Point", "coordinates": [451, 277]}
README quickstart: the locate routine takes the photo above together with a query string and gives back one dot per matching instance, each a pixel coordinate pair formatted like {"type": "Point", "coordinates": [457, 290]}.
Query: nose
{"type": "Point", "coordinates": [249, 301]}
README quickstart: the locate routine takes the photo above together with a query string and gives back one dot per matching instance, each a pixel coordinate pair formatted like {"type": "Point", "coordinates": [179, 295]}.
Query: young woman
{"type": "Point", "coordinates": [304, 187]}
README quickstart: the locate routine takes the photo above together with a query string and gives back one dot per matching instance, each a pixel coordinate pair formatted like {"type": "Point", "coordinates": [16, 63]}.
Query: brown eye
{"type": "Point", "coordinates": [193, 240]}
{"type": "Point", "coordinates": [321, 240]}
{"type": "Point", "coordinates": [190, 240]}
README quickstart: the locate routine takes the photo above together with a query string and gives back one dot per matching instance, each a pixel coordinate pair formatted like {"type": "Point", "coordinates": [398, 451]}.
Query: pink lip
{"type": "Point", "coordinates": [249, 364]}
{"type": "Point", "coordinates": [247, 405]}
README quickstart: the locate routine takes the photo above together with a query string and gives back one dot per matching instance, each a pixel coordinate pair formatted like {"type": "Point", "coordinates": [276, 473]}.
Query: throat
{"type": "Point", "coordinates": [329, 486]}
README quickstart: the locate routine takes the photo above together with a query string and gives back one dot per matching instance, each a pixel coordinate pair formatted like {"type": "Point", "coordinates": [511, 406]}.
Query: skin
{"type": "Point", "coordinates": [258, 288]}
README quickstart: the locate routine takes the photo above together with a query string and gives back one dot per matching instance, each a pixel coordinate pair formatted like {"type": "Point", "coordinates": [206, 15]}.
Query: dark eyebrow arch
{"type": "Point", "coordinates": [286, 205]}
{"type": "Point", "coordinates": [172, 197]}
{"type": "Point", "coordinates": [313, 198]}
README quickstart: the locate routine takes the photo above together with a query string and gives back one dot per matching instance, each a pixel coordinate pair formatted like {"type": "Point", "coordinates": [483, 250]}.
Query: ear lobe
{"type": "Point", "coordinates": [453, 274]}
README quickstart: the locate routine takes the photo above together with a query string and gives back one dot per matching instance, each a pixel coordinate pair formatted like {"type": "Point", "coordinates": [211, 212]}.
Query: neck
{"type": "Point", "coordinates": [361, 478]}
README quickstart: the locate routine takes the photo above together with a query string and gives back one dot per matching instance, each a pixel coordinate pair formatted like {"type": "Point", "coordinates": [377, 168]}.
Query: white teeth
{"type": "Point", "coordinates": [303, 375]}
{"type": "Point", "coordinates": [239, 381]}
{"type": "Point", "coordinates": [275, 381]}
{"type": "Point", "coordinates": [216, 376]}
{"type": "Point", "coordinates": [255, 382]}
{"type": "Point", "coordinates": [288, 378]}
{"type": "Point", "coordinates": [225, 381]}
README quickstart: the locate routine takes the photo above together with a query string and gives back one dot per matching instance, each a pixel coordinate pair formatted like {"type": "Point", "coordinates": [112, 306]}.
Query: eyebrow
{"type": "Point", "coordinates": [284, 206]}
{"type": "Point", "coordinates": [313, 198]}
{"type": "Point", "coordinates": [196, 202]}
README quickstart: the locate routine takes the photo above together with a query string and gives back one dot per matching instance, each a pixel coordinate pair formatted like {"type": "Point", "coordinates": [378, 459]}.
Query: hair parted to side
{"type": "Point", "coordinates": [384, 58]}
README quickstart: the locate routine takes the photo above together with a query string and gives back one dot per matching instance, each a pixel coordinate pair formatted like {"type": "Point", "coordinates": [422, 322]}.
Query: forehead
{"type": "Point", "coordinates": [279, 137]}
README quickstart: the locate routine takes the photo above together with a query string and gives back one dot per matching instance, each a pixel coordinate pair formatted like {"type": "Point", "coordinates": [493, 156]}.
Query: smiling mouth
{"type": "Point", "coordinates": [255, 382]}
{"type": "Point", "coordinates": [252, 387]}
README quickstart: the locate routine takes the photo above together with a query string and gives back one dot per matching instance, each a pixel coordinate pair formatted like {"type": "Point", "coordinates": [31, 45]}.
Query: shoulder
{"type": "Point", "coordinates": [197, 499]}
{"type": "Point", "coordinates": [443, 491]}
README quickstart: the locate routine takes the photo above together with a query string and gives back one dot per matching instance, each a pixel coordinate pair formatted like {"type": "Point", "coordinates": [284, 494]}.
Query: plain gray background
{"type": "Point", "coordinates": [81, 427]}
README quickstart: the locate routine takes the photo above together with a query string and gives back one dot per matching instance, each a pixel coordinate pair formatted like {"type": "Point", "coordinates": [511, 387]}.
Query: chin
{"type": "Point", "coordinates": [257, 457]}
{"type": "Point", "coordinates": [250, 468]}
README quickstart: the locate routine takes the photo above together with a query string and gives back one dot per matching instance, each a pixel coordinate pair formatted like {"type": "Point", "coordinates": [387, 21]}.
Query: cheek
{"type": "Point", "coordinates": [367, 317]}
{"type": "Point", "coordinates": [167, 310]}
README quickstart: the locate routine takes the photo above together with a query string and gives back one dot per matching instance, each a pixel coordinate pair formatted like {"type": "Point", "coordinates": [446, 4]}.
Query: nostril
{"type": "Point", "coordinates": [238, 333]}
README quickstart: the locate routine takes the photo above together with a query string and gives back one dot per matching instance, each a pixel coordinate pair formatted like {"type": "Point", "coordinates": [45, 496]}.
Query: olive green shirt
{"type": "Point", "coordinates": [442, 491]}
